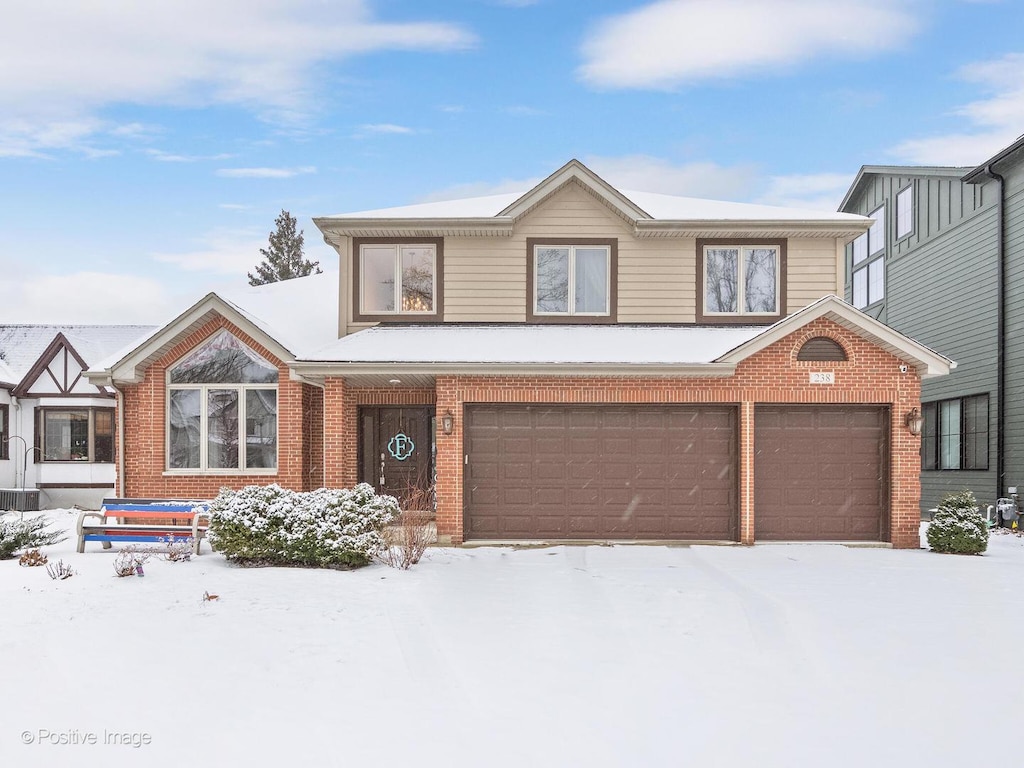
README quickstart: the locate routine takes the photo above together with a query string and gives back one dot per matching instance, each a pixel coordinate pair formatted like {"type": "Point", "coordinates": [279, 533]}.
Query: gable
{"type": "Point", "coordinates": [58, 373]}
{"type": "Point", "coordinates": [572, 209]}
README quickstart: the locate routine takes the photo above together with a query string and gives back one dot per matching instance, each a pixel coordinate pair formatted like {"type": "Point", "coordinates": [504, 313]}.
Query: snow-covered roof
{"type": "Point", "coordinates": [298, 315]}
{"type": "Point", "coordinates": [21, 345]}
{"type": "Point", "coordinates": [659, 206]}
{"type": "Point", "coordinates": [535, 344]}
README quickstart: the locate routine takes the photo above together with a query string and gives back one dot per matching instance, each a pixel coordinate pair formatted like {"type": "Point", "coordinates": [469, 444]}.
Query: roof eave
{"type": "Point", "coordinates": [740, 227]}
{"type": "Point", "coordinates": [320, 369]}
{"type": "Point", "coordinates": [981, 172]}
{"type": "Point", "coordinates": [483, 226]}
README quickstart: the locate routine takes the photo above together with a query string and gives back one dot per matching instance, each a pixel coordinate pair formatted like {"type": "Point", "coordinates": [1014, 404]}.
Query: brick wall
{"type": "Point", "coordinates": [145, 429]}
{"type": "Point", "coordinates": [773, 375]}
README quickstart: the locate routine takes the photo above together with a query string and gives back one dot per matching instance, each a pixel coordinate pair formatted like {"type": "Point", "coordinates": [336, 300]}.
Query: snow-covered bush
{"type": "Point", "coordinates": [17, 534]}
{"type": "Point", "coordinates": [958, 526]}
{"type": "Point", "coordinates": [270, 525]}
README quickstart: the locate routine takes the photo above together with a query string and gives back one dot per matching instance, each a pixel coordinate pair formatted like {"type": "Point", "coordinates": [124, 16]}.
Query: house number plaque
{"type": "Point", "coordinates": [823, 377]}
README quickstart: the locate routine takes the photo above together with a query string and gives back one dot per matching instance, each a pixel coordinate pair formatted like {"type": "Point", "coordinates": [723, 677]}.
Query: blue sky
{"type": "Point", "coordinates": [146, 148]}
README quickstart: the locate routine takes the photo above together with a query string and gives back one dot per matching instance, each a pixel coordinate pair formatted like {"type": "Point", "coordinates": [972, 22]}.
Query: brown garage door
{"type": "Point", "coordinates": [600, 472]}
{"type": "Point", "coordinates": [820, 473]}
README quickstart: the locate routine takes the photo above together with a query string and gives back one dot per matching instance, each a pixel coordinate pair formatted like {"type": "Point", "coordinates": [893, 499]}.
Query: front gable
{"type": "Point", "coordinates": [58, 373]}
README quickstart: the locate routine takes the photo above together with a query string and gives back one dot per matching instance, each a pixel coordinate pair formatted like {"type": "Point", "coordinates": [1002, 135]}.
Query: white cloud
{"type": "Point", "coordinates": [265, 173]}
{"type": "Point", "coordinates": [386, 128]}
{"type": "Point", "coordinates": [85, 297]}
{"type": "Point", "coordinates": [814, 191]}
{"type": "Point", "coordinates": [171, 157]}
{"type": "Point", "coordinates": [60, 63]}
{"type": "Point", "coordinates": [225, 252]}
{"type": "Point", "coordinates": [677, 42]}
{"type": "Point", "coordinates": [994, 121]}
{"type": "Point", "coordinates": [521, 110]}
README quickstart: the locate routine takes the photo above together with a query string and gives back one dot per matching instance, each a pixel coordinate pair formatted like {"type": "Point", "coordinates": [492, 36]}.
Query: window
{"type": "Point", "coordinates": [741, 280]}
{"type": "Point", "coordinates": [75, 434]}
{"type": "Point", "coordinates": [821, 349]}
{"type": "Point", "coordinates": [222, 409]}
{"type": "Point", "coordinates": [395, 280]}
{"type": "Point", "coordinates": [571, 281]}
{"type": "Point", "coordinates": [5, 432]}
{"type": "Point", "coordinates": [905, 212]}
{"type": "Point", "coordinates": [867, 259]}
{"type": "Point", "coordinates": [955, 434]}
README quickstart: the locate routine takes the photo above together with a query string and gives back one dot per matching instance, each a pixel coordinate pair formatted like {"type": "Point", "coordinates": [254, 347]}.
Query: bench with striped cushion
{"type": "Point", "coordinates": [144, 520]}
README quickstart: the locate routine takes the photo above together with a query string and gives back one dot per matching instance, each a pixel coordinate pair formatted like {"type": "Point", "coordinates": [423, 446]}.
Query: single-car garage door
{"type": "Point", "coordinates": [821, 473]}
{"type": "Point", "coordinates": [600, 472]}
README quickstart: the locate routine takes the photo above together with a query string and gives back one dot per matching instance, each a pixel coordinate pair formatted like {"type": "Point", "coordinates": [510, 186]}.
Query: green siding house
{"type": "Point", "coordinates": [944, 264]}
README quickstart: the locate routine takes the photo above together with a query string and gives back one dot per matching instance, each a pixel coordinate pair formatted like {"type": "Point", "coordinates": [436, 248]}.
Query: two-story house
{"type": "Point", "coordinates": [576, 362]}
{"type": "Point", "coordinates": [943, 263]}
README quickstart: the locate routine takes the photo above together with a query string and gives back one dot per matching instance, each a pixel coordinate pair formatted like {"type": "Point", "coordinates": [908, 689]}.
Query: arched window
{"type": "Point", "coordinates": [821, 349]}
{"type": "Point", "coordinates": [222, 408]}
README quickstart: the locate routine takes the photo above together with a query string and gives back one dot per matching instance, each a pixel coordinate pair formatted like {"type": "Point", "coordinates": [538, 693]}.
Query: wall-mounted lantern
{"type": "Point", "coordinates": [914, 421]}
{"type": "Point", "coordinates": [447, 422]}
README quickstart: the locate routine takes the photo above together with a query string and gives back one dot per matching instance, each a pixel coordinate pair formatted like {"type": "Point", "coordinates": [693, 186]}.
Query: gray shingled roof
{"type": "Point", "coordinates": [21, 345]}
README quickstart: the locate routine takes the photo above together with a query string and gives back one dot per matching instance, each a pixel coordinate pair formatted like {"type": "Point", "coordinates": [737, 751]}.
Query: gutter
{"type": "Point", "coordinates": [368, 368]}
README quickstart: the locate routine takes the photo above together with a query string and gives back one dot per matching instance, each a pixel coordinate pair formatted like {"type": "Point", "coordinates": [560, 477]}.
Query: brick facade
{"type": "Point", "coordinates": [318, 429]}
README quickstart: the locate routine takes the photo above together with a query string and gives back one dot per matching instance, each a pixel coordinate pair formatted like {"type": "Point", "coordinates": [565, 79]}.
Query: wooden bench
{"type": "Point", "coordinates": [150, 520]}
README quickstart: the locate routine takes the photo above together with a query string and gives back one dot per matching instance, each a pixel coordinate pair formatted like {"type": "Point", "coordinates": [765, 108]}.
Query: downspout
{"type": "Point", "coordinates": [120, 440]}
{"type": "Point", "coordinates": [1000, 332]}
{"type": "Point", "coordinates": [15, 428]}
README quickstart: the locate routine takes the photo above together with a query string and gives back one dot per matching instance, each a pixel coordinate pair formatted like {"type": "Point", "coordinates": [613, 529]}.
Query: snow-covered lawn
{"type": "Point", "coordinates": [809, 655]}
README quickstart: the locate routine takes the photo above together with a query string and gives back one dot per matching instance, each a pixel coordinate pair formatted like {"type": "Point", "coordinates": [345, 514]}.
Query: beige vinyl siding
{"type": "Point", "coordinates": [811, 269]}
{"type": "Point", "coordinates": [485, 279]}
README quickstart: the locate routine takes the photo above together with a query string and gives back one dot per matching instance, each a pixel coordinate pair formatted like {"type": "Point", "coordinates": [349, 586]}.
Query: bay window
{"type": "Point", "coordinates": [75, 434]}
{"type": "Point", "coordinates": [222, 409]}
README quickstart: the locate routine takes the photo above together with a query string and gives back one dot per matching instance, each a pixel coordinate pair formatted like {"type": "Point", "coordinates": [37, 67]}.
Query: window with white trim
{"type": "Point", "coordinates": [905, 212]}
{"type": "Point", "coordinates": [222, 409]}
{"type": "Point", "coordinates": [572, 280]}
{"type": "Point", "coordinates": [867, 259]}
{"type": "Point", "coordinates": [741, 280]}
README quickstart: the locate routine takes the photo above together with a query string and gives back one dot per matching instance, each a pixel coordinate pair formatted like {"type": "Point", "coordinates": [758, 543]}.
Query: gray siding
{"type": "Point", "coordinates": [1014, 424]}
{"type": "Point", "coordinates": [940, 289]}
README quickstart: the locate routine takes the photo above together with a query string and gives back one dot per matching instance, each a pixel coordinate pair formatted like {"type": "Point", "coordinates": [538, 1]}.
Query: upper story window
{"type": "Point", "coordinates": [867, 256]}
{"type": "Point", "coordinates": [571, 280]}
{"type": "Point", "coordinates": [75, 434]}
{"type": "Point", "coordinates": [741, 281]}
{"type": "Point", "coordinates": [955, 433]}
{"type": "Point", "coordinates": [905, 212]}
{"type": "Point", "coordinates": [397, 280]}
{"type": "Point", "coordinates": [222, 409]}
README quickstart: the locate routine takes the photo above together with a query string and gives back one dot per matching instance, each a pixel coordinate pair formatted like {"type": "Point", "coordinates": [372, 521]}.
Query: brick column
{"type": "Point", "coordinates": [335, 439]}
{"type": "Point", "coordinates": [450, 467]}
{"type": "Point", "coordinates": [905, 467]}
{"type": "Point", "coordinates": [746, 479]}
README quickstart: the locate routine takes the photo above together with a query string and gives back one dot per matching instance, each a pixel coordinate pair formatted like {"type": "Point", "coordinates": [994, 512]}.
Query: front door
{"type": "Point", "coordinates": [396, 454]}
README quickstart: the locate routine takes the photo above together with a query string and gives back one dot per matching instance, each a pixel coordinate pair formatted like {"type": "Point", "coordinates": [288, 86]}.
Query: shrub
{"type": "Point", "coordinates": [130, 560]}
{"type": "Point", "coordinates": [59, 571]}
{"type": "Point", "coordinates": [958, 527]}
{"type": "Point", "coordinates": [406, 540]}
{"type": "Point", "coordinates": [270, 525]}
{"type": "Point", "coordinates": [17, 534]}
{"type": "Point", "coordinates": [33, 558]}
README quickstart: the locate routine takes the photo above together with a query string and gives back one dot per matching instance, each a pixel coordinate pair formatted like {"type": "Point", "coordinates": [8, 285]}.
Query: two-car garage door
{"type": "Point", "coordinates": [611, 472]}
{"type": "Point", "coordinates": [669, 472]}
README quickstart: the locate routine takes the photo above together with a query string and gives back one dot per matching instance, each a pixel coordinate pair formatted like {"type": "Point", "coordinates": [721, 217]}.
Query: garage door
{"type": "Point", "coordinates": [600, 472]}
{"type": "Point", "coordinates": [820, 473]}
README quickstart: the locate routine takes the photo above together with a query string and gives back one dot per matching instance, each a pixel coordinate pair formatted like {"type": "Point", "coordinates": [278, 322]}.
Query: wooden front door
{"type": "Point", "coordinates": [396, 454]}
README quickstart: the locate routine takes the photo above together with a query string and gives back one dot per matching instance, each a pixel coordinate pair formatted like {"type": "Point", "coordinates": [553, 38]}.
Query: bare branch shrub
{"type": "Point", "coordinates": [60, 571]}
{"type": "Point", "coordinates": [129, 560]}
{"type": "Point", "coordinates": [179, 550]}
{"type": "Point", "coordinates": [407, 538]}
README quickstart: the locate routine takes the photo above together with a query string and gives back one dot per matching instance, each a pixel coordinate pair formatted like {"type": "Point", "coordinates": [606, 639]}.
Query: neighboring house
{"type": "Point", "coordinates": [571, 363]}
{"type": "Point", "coordinates": [57, 429]}
{"type": "Point", "coordinates": [944, 263]}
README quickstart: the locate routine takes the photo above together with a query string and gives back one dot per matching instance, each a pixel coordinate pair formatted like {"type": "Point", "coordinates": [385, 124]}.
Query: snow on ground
{"type": "Point", "coordinates": [800, 655]}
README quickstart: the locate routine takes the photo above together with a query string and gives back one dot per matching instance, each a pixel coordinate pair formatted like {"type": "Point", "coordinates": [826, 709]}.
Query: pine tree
{"type": "Point", "coordinates": [283, 260]}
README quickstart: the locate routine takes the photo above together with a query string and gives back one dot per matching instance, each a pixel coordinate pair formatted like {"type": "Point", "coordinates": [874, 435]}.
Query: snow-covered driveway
{"type": "Point", "coordinates": [808, 655]}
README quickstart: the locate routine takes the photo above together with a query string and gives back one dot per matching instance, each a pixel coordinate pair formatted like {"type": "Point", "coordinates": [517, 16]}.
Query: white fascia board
{"type": "Point", "coordinates": [574, 169]}
{"type": "Point", "coordinates": [131, 368]}
{"type": "Point", "coordinates": [927, 361]}
{"type": "Point", "coordinates": [323, 369]}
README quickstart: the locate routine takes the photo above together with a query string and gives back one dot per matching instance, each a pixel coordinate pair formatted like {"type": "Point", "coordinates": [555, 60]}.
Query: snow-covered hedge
{"type": "Point", "coordinates": [270, 525]}
{"type": "Point", "coordinates": [31, 533]}
{"type": "Point", "coordinates": [958, 526]}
